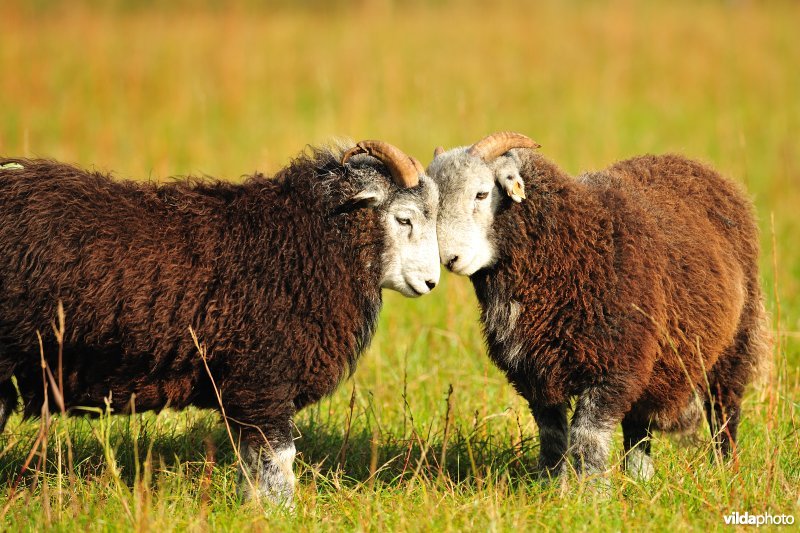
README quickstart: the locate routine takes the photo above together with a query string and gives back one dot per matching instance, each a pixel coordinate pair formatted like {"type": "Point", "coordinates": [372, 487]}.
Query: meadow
{"type": "Point", "coordinates": [427, 434]}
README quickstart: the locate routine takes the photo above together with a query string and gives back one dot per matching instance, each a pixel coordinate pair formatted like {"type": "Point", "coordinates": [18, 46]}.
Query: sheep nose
{"type": "Point", "coordinates": [430, 283]}
{"type": "Point", "coordinates": [451, 262]}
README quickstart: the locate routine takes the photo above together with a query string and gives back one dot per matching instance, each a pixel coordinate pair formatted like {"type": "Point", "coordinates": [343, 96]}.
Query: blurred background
{"type": "Point", "coordinates": [150, 89]}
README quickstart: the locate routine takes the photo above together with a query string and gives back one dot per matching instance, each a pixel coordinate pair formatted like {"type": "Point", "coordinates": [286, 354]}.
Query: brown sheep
{"type": "Point", "coordinates": [622, 288]}
{"type": "Point", "coordinates": [281, 279]}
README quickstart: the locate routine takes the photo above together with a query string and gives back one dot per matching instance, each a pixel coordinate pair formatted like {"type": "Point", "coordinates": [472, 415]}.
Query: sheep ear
{"type": "Point", "coordinates": [508, 178]}
{"type": "Point", "coordinates": [513, 185]}
{"type": "Point", "coordinates": [371, 196]}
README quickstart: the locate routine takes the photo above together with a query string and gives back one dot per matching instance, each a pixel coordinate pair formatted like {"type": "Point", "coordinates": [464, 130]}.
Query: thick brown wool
{"type": "Point", "coordinates": [633, 283]}
{"type": "Point", "coordinates": [279, 282]}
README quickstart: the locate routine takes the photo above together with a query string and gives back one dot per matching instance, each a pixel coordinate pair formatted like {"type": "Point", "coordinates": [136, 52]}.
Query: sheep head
{"type": "Point", "coordinates": [407, 203]}
{"type": "Point", "coordinates": [473, 183]}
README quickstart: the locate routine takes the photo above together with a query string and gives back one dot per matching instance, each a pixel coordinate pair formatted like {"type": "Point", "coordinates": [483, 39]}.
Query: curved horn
{"type": "Point", "coordinates": [438, 151]}
{"type": "Point", "coordinates": [405, 170]}
{"type": "Point", "coordinates": [499, 143]}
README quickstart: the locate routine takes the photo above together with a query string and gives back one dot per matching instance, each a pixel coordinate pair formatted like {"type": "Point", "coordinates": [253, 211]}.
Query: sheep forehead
{"type": "Point", "coordinates": [457, 172]}
{"type": "Point", "coordinates": [424, 198]}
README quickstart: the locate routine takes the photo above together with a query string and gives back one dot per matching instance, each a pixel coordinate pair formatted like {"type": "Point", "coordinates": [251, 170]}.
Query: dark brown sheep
{"type": "Point", "coordinates": [280, 279]}
{"type": "Point", "coordinates": [621, 288]}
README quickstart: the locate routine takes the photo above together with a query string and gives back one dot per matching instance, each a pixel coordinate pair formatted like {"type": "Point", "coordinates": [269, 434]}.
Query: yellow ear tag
{"type": "Point", "coordinates": [518, 190]}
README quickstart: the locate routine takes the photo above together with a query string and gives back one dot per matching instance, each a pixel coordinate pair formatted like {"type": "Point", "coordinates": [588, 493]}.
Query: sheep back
{"type": "Point", "coordinates": [283, 295]}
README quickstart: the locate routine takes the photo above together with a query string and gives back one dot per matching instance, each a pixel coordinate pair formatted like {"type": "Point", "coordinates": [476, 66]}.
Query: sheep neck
{"type": "Point", "coordinates": [555, 257]}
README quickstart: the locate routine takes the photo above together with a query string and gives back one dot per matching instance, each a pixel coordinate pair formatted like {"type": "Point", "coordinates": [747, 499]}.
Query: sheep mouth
{"type": "Point", "coordinates": [462, 270]}
{"type": "Point", "coordinates": [415, 293]}
{"type": "Point", "coordinates": [461, 267]}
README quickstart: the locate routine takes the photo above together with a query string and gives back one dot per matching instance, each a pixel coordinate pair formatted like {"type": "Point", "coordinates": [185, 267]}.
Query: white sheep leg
{"type": "Point", "coordinates": [266, 470]}
{"type": "Point", "coordinates": [639, 465]}
{"type": "Point", "coordinates": [590, 434]}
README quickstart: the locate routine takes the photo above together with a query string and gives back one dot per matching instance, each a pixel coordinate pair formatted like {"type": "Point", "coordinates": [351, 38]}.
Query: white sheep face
{"type": "Point", "coordinates": [411, 253]}
{"type": "Point", "coordinates": [471, 192]}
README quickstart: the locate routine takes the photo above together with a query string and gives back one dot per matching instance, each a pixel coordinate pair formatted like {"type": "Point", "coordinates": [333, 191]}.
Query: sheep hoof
{"type": "Point", "coordinates": [551, 475]}
{"type": "Point", "coordinates": [269, 477]}
{"type": "Point", "coordinates": [639, 465]}
{"type": "Point", "coordinates": [272, 497]}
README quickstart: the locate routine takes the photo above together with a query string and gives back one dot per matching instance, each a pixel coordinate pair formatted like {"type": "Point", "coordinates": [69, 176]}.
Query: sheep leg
{"type": "Point", "coordinates": [590, 435]}
{"type": "Point", "coordinates": [729, 376]}
{"type": "Point", "coordinates": [8, 402]}
{"type": "Point", "coordinates": [552, 423]}
{"type": "Point", "coordinates": [722, 412]}
{"type": "Point", "coordinates": [636, 439]}
{"type": "Point", "coordinates": [266, 463]}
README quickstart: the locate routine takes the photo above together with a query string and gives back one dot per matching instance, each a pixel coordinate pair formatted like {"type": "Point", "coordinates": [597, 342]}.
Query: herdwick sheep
{"type": "Point", "coordinates": [624, 289]}
{"type": "Point", "coordinates": [280, 279]}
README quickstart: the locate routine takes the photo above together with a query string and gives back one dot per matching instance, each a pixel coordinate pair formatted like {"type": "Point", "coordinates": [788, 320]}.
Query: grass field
{"type": "Point", "coordinates": [427, 435]}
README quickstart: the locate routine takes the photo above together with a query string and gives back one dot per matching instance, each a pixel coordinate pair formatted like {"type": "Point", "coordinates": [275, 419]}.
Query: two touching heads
{"type": "Point", "coordinates": [445, 214]}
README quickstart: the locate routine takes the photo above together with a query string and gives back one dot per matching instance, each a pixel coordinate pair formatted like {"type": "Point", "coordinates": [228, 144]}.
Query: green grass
{"type": "Point", "coordinates": [150, 91]}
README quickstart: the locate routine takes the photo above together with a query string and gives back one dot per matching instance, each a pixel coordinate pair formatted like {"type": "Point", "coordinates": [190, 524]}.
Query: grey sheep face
{"type": "Point", "coordinates": [411, 255]}
{"type": "Point", "coordinates": [471, 191]}
{"type": "Point", "coordinates": [410, 260]}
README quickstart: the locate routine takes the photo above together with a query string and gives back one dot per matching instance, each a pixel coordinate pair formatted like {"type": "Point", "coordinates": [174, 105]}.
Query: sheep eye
{"type": "Point", "coordinates": [403, 221]}
{"type": "Point", "coordinates": [481, 195]}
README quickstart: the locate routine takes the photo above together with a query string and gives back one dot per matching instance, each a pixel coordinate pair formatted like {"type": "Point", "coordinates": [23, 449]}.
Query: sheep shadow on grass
{"type": "Point", "coordinates": [188, 444]}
